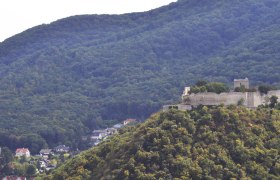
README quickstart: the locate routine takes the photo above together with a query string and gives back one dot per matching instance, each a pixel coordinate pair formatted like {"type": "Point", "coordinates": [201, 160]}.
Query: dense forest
{"type": "Point", "coordinates": [205, 143]}
{"type": "Point", "coordinates": [60, 80]}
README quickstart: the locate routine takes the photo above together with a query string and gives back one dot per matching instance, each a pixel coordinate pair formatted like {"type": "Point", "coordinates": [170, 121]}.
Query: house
{"type": "Point", "coordinates": [118, 126]}
{"type": "Point", "coordinates": [95, 136]}
{"type": "Point", "coordinates": [128, 121]}
{"type": "Point", "coordinates": [50, 167]}
{"type": "Point", "coordinates": [62, 148]}
{"type": "Point", "coordinates": [99, 134]}
{"type": "Point", "coordinates": [45, 152]}
{"type": "Point", "coordinates": [103, 132]}
{"type": "Point", "coordinates": [43, 164]}
{"type": "Point", "coordinates": [96, 142]}
{"type": "Point", "coordinates": [111, 131]}
{"type": "Point", "coordinates": [22, 152]}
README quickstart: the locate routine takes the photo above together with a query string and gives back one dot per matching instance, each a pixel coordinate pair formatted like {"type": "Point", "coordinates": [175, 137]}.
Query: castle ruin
{"type": "Point", "coordinates": [241, 82]}
{"type": "Point", "coordinates": [248, 99]}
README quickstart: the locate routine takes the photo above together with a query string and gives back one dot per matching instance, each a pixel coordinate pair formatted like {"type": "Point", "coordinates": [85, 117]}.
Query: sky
{"type": "Point", "coordinates": [19, 15]}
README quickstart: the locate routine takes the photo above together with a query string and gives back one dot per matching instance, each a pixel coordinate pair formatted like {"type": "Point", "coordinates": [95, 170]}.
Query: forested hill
{"type": "Point", "coordinates": [59, 80]}
{"type": "Point", "coordinates": [206, 143]}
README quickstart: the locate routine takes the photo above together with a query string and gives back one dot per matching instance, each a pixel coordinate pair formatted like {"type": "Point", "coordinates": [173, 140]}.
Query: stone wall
{"type": "Point", "coordinates": [274, 93]}
{"type": "Point", "coordinates": [181, 107]}
{"type": "Point", "coordinates": [250, 99]}
{"type": "Point", "coordinates": [241, 82]}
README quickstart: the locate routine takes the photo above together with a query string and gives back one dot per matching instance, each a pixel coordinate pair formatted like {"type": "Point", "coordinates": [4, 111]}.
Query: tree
{"type": "Point", "coordinates": [240, 89]}
{"type": "Point", "coordinates": [6, 170]}
{"type": "Point", "coordinates": [31, 170]}
{"type": "Point", "coordinates": [273, 101]}
{"type": "Point", "coordinates": [6, 156]}
{"type": "Point", "coordinates": [23, 159]}
{"type": "Point", "coordinates": [277, 106]}
{"type": "Point", "coordinates": [201, 83]}
{"type": "Point", "coordinates": [265, 88]}
{"type": "Point", "coordinates": [241, 102]}
{"type": "Point", "coordinates": [217, 87]}
{"type": "Point", "coordinates": [195, 89]}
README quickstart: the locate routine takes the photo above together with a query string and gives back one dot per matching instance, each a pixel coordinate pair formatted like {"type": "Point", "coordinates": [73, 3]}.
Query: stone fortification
{"type": "Point", "coordinates": [181, 107]}
{"type": "Point", "coordinates": [248, 99]}
{"type": "Point", "coordinates": [274, 93]}
{"type": "Point", "coordinates": [241, 82]}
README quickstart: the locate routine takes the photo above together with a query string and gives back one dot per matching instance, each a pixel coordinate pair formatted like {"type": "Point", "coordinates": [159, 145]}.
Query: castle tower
{"type": "Point", "coordinates": [186, 91]}
{"type": "Point", "coordinates": [241, 82]}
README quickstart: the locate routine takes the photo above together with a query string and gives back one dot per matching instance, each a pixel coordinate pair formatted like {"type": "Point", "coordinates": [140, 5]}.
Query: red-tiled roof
{"type": "Point", "coordinates": [22, 150]}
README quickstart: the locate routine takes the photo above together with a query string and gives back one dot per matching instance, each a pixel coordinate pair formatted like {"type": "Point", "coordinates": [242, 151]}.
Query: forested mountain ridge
{"type": "Point", "coordinates": [205, 143]}
{"type": "Point", "coordinates": [78, 73]}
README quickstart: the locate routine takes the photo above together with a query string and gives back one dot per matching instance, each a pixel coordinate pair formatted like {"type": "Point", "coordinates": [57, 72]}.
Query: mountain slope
{"type": "Point", "coordinates": [212, 143]}
{"type": "Point", "coordinates": [85, 72]}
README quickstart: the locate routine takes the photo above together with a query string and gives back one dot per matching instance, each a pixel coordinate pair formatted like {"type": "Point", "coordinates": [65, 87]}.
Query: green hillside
{"type": "Point", "coordinates": [60, 80]}
{"type": "Point", "coordinates": [206, 143]}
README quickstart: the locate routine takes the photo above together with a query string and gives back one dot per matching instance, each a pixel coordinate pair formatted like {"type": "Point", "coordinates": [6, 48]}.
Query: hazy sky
{"type": "Point", "coordinates": [19, 15]}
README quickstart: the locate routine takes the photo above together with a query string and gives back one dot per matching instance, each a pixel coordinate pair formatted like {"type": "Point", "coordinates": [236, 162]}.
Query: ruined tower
{"type": "Point", "coordinates": [241, 82]}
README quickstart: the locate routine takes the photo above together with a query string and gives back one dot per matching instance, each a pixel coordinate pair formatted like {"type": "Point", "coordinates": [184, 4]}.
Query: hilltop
{"type": "Point", "coordinates": [205, 143]}
{"type": "Point", "coordinates": [80, 73]}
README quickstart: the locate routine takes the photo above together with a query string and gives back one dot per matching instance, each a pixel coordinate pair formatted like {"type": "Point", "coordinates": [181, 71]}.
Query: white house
{"type": "Point", "coordinates": [62, 148]}
{"type": "Point", "coordinates": [128, 121]}
{"type": "Point", "coordinates": [45, 152]}
{"type": "Point", "coordinates": [22, 152]}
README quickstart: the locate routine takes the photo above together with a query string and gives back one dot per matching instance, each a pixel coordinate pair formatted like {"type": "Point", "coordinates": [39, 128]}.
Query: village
{"type": "Point", "coordinates": [49, 159]}
{"type": "Point", "coordinates": [101, 134]}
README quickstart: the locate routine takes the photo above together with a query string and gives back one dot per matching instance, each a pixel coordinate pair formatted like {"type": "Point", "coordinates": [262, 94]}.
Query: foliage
{"type": "Point", "coordinates": [243, 89]}
{"type": "Point", "coordinates": [61, 80]}
{"type": "Point", "coordinates": [273, 101]}
{"type": "Point", "coordinates": [6, 157]}
{"type": "Point", "coordinates": [240, 102]}
{"type": "Point", "coordinates": [30, 170]}
{"type": "Point", "coordinates": [203, 86]}
{"type": "Point", "coordinates": [265, 88]}
{"type": "Point", "coordinates": [206, 143]}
